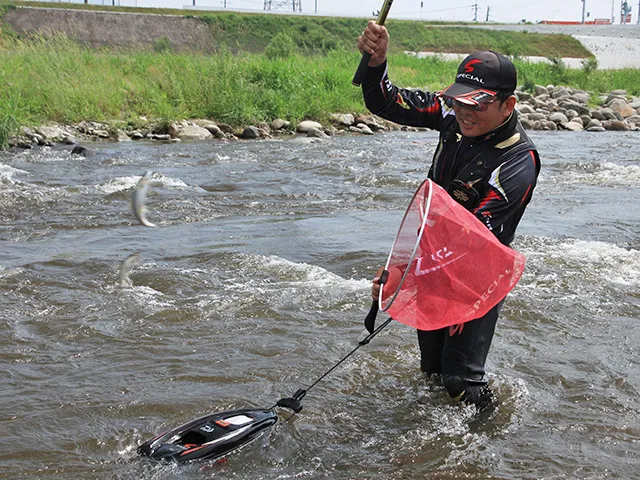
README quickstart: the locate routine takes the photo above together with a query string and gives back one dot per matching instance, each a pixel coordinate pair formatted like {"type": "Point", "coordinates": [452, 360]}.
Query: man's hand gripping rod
{"type": "Point", "coordinates": [364, 61]}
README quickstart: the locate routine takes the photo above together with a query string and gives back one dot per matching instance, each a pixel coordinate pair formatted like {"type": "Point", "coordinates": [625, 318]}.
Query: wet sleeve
{"type": "Point", "coordinates": [406, 107]}
{"type": "Point", "coordinates": [510, 185]}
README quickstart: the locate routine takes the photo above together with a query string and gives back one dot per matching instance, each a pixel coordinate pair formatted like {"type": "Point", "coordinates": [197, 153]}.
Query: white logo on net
{"type": "Point", "coordinates": [439, 257]}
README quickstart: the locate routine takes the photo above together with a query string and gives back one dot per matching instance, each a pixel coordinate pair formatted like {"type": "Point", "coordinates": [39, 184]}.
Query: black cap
{"type": "Point", "coordinates": [481, 76]}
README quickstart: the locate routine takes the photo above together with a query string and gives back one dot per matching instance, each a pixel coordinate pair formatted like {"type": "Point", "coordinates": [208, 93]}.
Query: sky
{"type": "Point", "coordinates": [511, 11]}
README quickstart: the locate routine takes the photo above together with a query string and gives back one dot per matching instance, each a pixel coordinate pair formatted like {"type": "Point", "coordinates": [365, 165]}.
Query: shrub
{"type": "Point", "coordinates": [589, 65]}
{"type": "Point", "coordinates": [162, 45]}
{"type": "Point", "coordinates": [280, 46]}
{"type": "Point", "coordinates": [558, 69]}
{"type": "Point", "coordinates": [510, 49]}
{"type": "Point", "coordinates": [528, 84]}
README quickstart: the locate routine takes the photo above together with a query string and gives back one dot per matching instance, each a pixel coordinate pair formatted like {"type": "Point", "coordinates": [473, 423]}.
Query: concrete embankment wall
{"type": "Point", "coordinates": [614, 46]}
{"type": "Point", "coordinates": [610, 31]}
{"type": "Point", "coordinates": [113, 28]}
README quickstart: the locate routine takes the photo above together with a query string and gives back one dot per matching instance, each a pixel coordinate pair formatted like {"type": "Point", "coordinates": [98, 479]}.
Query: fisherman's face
{"type": "Point", "coordinates": [474, 123]}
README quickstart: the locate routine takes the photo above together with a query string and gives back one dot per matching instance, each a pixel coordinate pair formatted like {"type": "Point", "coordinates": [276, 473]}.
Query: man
{"type": "Point", "coordinates": [484, 160]}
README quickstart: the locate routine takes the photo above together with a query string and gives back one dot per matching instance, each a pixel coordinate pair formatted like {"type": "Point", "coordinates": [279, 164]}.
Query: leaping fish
{"type": "Point", "coordinates": [125, 269]}
{"type": "Point", "coordinates": [139, 197]}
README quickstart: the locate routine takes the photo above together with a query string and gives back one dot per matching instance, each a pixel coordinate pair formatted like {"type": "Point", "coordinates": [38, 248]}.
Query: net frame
{"type": "Point", "coordinates": [423, 210]}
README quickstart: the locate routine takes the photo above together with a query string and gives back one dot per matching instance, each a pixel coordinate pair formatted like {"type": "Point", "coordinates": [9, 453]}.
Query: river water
{"type": "Point", "coordinates": [256, 282]}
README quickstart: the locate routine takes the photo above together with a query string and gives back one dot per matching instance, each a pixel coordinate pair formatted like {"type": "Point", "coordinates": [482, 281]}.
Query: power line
{"type": "Point", "coordinates": [437, 10]}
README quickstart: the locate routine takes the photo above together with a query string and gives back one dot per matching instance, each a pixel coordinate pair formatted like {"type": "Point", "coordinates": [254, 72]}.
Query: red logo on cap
{"type": "Point", "coordinates": [469, 67]}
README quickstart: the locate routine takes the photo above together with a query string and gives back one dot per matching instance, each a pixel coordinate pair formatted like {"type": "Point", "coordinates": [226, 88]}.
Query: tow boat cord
{"type": "Point", "coordinates": [293, 403]}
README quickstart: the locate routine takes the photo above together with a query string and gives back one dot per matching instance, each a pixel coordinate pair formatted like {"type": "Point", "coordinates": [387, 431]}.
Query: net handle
{"type": "Point", "coordinates": [415, 247]}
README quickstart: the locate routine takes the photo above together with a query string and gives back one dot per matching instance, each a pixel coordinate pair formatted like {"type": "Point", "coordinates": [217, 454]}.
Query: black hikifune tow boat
{"type": "Point", "coordinates": [219, 434]}
{"type": "Point", "coordinates": [209, 437]}
{"type": "Point", "coordinates": [216, 435]}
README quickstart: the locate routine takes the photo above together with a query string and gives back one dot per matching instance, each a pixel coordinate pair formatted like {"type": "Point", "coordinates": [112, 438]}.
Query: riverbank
{"type": "Point", "coordinates": [549, 108]}
{"type": "Point", "coordinates": [59, 81]}
{"type": "Point", "coordinates": [84, 113]}
{"type": "Point", "coordinates": [211, 31]}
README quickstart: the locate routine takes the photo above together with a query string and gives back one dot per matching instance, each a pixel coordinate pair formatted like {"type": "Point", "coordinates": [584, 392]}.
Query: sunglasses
{"type": "Point", "coordinates": [479, 107]}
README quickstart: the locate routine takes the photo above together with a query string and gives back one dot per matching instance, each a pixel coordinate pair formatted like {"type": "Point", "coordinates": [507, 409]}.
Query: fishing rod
{"type": "Point", "coordinates": [364, 61]}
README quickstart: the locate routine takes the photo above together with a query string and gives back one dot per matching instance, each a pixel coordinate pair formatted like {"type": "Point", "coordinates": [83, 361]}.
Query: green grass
{"type": "Point", "coordinates": [59, 80]}
{"type": "Point", "coordinates": [252, 32]}
{"type": "Point", "coordinates": [597, 82]}
{"type": "Point", "coordinates": [418, 37]}
{"type": "Point", "coordinates": [433, 73]}
{"type": "Point", "coordinates": [8, 121]}
{"type": "Point", "coordinates": [56, 79]}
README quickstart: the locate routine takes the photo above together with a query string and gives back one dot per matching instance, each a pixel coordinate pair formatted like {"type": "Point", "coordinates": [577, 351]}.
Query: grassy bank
{"type": "Point", "coordinates": [252, 32]}
{"type": "Point", "coordinates": [59, 80]}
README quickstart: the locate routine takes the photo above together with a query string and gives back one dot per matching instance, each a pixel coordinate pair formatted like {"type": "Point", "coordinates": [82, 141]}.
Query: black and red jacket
{"type": "Point", "coordinates": [493, 175]}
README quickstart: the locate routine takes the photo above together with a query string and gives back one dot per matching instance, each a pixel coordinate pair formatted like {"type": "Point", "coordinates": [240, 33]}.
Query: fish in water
{"type": "Point", "coordinates": [125, 269]}
{"type": "Point", "coordinates": [139, 197]}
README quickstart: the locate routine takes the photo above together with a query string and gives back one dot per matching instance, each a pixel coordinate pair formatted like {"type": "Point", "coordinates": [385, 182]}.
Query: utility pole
{"type": "Point", "coordinates": [638, 14]}
{"type": "Point", "coordinates": [625, 10]}
{"type": "Point", "coordinates": [475, 12]}
{"type": "Point", "coordinates": [584, 6]}
{"type": "Point", "coordinates": [316, 6]}
{"type": "Point", "coordinates": [488, 10]}
{"type": "Point", "coordinates": [621, 12]}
